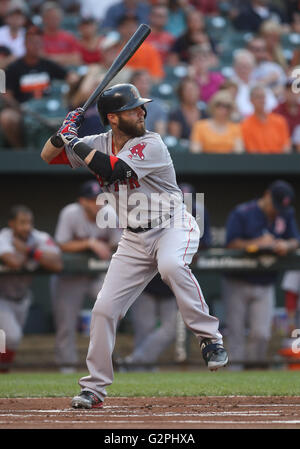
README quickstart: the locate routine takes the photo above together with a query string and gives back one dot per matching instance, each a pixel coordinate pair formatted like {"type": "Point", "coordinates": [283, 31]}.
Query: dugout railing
{"type": "Point", "coordinates": [214, 261]}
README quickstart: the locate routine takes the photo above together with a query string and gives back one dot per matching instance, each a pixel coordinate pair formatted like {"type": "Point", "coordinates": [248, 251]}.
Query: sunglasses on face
{"type": "Point", "coordinates": [223, 105]}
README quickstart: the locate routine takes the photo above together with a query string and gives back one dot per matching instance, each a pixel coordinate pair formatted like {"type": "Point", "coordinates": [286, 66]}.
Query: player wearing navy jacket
{"type": "Point", "coordinates": [266, 224]}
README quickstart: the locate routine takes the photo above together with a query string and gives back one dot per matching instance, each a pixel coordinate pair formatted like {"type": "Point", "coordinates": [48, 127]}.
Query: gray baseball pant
{"type": "Point", "coordinates": [13, 315]}
{"type": "Point", "coordinates": [248, 306]}
{"type": "Point", "coordinates": [136, 262]}
{"type": "Point", "coordinates": [151, 340]}
{"type": "Point", "coordinates": [68, 294]}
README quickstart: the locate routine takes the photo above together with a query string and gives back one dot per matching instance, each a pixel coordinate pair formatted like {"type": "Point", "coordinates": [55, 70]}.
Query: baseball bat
{"type": "Point", "coordinates": [123, 57]}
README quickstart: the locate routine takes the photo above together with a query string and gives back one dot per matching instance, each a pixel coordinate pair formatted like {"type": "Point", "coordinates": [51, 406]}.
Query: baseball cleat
{"type": "Point", "coordinates": [214, 354]}
{"type": "Point", "coordinates": [86, 399]}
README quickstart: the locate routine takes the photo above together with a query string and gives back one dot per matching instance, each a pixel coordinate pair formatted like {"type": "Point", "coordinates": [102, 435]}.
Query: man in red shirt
{"type": "Point", "coordinates": [59, 46]}
{"type": "Point", "coordinates": [290, 108]}
{"type": "Point", "coordinates": [160, 39]}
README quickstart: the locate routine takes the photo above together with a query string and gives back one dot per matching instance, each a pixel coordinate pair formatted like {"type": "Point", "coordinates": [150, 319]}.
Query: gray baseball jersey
{"type": "Point", "coordinates": [150, 159]}
{"type": "Point", "coordinates": [167, 249]}
{"type": "Point", "coordinates": [73, 224]}
{"type": "Point", "coordinates": [15, 287]}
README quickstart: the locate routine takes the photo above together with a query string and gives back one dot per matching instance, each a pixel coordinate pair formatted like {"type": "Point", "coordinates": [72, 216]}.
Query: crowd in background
{"type": "Point", "coordinates": [248, 103]}
{"type": "Point", "coordinates": [221, 74]}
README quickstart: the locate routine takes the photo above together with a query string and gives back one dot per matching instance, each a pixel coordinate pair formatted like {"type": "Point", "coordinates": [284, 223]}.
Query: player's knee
{"type": "Point", "coordinates": [104, 308]}
{"type": "Point", "coordinates": [13, 339]}
{"type": "Point", "coordinates": [9, 117]}
{"type": "Point", "coordinates": [169, 267]}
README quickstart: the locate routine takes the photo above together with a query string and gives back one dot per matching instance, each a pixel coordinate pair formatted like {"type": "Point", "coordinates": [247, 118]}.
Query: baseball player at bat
{"type": "Point", "coordinates": [129, 159]}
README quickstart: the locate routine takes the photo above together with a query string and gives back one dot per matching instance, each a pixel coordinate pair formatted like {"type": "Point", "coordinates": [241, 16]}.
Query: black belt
{"type": "Point", "coordinates": [150, 225]}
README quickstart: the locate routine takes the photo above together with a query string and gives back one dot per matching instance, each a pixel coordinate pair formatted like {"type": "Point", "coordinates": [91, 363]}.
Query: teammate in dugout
{"type": "Point", "coordinates": [128, 156]}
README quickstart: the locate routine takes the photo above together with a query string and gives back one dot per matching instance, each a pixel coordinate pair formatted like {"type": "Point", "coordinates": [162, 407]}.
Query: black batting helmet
{"type": "Point", "coordinates": [120, 97]}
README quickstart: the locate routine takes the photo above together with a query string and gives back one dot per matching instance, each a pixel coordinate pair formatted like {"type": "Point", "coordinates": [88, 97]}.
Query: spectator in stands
{"type": "Point", "coordinates": [296, 138]}
{"type": "Point", "coordinates": [4, 5]}
{"type": "Point", "coordinates": [26, 78]}
{"type": "Point", "coordinates": [89, 41]}
{"type": "Point", "coordinates": [265, 132]}
{"type": "Point", "coordinates": [201, 62]}
{"type": "Point", "coordinates": [295, 22]}
{"type": "Point", "coordinates": [267, 72]}
{"type": "Point", "coordinates": [253, 13]}
{"type": "Point", "coordinates": [264, 224]}
{"type": "Point", "coordinates": [291, 8]}
{"type": "Point", "coordinates": [271, 32]}
{"type": "Point", "coordinates": [96, 9]}
{"type": "Point", "coordinates": [243, 66]}
{"type": "Point", "coordinates": [194, 35]}
{"type": "Point", "coordinates": [12, 34]}
{"type": "Point", "coordinates": [160, 39]}
{"type": "Point", "coordinates": [232, 87]}
{"type": "Point", "coordinates": [60, 46]}
{"type": "Point", "coordinates": [129, 8]}
{"type": "Point", "coordinates": [146, 57]}
{"type": "Point", "coordinates": [217, 134]}
{"type": "Point", "coordinates": [69, 6]}
{"type": "Point", "coordinates": [182, 119]}
{"type": "Point", "coordinates": [289, 108]}
{"type": "Point", "coordinates": [22, 247]}
{"type": "Point", "coordinates": [178, 9]}
{"type": "Point", "coordinates": [79, 92]}
{"type": "Point", "coordinates": [157, 115]}
{"type": "Point", "coordinates": [207, 7]}
{"type": "Point", "coordinates": [77, 232]}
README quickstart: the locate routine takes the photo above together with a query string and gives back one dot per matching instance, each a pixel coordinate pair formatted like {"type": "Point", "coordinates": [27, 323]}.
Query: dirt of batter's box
{"type": "Point", "coordinates": [153, 413]}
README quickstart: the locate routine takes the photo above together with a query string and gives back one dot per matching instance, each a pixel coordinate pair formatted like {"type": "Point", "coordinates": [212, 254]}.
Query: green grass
{"type": "Point", "coordinates": [200, 383]}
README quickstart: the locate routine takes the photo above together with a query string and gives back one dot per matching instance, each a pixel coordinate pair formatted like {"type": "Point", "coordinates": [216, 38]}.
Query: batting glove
{"type": "Point", "coordinates": [76, 117]}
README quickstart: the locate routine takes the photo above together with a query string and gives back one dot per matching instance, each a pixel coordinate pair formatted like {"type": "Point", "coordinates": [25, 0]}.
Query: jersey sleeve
{"type": "Point", "coordinates": [145, 156]}
{"type": "Point", "coordinates": [95, 142]}
{"type": "Point", "coordinates": [234, 227]}
{"type": "Point", "coordinates": [64, 229]}
{"type": "Point", "coordinates": [291, 281]}
{"type": "Point", "coordinates": [46, 243]}
{"type": "Point", "coordinates": [6, 244]}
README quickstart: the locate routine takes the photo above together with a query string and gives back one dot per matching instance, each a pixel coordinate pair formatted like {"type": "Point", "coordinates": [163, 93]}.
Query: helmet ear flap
{"type": "Point", "coordinates": [145, 110]}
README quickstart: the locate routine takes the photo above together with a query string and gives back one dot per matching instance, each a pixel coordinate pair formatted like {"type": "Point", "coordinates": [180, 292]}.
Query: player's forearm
{"type": "Point", "coordinates": [243, 244]}
{"type": "Point", "coordinates": [75, 246]}
{"type": "Point", "coordinates": [49, 152]}
{"type": "Point", "coordinates": [50, 261]}
{"type": "Point", "coordinates": [14, 261]}
{"type": "Point", "coordinates": [110, 168]}
{"type": "Point", "coordinates": [292, 244]}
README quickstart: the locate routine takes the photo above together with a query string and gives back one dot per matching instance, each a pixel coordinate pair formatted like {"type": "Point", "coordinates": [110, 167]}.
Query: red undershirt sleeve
{"type": "Point", "coordinates": [291, 300]}
{"type": "Point", "coordinates": [61, 159]}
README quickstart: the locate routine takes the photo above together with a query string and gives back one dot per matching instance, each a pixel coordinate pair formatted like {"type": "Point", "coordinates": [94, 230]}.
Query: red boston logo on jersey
{"type": "Point", "coordinates": [137, 150]}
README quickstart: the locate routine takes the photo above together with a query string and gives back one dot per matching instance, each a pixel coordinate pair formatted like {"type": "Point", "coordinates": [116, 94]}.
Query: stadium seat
{"type": "Point", "coordinates": [173, 75]}
{"type": "Point", "coordinates": [290, 41]}
{"type": "Point", "coordinates": [42, 117]}
{"type": "Point", "coordinates": [70, 23]}
{"type": "Point", "coordinates": [165, 91]}
{"type": "Point", "coordinates": [216, 27]}
{"type": "Point", "coordinates": [176, 145]}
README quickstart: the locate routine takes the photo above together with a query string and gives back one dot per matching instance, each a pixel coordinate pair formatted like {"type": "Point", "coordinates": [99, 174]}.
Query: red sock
{"type": "Point", "coordinates": [6, 360]}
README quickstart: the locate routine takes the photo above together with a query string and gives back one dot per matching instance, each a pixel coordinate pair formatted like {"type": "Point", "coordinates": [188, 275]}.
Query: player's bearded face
{"type": "Point", "coordinates": [132, 122]}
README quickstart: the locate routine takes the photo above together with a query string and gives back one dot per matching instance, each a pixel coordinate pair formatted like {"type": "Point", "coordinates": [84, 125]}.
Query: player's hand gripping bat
{"type": "Point", "coordinates": [123, 57]}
